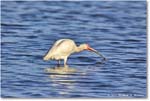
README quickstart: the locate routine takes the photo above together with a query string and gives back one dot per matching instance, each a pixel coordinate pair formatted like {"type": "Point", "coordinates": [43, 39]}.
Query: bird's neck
{"type": "Point", "coordinates": [79, 49]}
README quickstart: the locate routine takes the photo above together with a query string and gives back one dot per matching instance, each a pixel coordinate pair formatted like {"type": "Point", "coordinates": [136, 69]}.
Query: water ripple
{"type": "Point", "coordinates": [116, 29]}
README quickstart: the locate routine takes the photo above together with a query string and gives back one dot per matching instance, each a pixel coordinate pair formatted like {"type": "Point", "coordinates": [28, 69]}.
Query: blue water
{"type": "Point", "coordinates": [117, 29]}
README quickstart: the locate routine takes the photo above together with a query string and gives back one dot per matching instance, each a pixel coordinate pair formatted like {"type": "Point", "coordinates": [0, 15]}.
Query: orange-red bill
{"type": "Point", "coordinates": [95, 51]}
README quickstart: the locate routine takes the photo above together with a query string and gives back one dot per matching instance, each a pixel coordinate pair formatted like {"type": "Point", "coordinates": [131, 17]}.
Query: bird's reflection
{"type": "Point", "coordinates": [62, 79]}
{"type": "Point", "coordinates": [61, 70]}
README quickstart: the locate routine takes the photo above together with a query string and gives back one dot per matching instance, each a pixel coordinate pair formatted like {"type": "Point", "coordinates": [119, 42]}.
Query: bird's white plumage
{"type": "Point", "coordinates": [61, 49]}
{"type": "Point", "coordinates": [64, 47]}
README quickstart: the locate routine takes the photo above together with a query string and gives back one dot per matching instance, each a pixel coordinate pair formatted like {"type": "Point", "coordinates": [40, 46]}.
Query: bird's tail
{"type": "Point", "coordinates": [46, 57]}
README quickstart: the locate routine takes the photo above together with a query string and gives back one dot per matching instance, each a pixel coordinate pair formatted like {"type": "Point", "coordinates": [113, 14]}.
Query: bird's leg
{"type": "Point", "coordinates": [65, 63]}
{"type": "Point", "coordinates": [58, 65]}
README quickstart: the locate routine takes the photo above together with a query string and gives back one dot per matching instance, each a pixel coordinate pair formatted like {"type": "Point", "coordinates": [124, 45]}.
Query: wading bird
{"type": "Point", "coordinates": [64, 48]}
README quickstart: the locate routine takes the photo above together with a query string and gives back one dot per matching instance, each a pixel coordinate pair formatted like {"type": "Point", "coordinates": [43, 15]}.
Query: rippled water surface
{"type": "Point", "coordinates": [117, 29]}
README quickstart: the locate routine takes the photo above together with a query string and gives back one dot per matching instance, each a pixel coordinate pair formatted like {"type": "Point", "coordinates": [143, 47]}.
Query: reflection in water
{"type": "Point", "coordinates": [61, 79]}
{"type": "Point", "coordinates": [61, 70]}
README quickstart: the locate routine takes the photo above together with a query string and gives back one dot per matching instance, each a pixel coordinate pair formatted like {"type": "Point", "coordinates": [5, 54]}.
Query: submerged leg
{"type": "Point", "coordinates": [65, 63]}
{"type": "Point", "coordinates": [58, 65]}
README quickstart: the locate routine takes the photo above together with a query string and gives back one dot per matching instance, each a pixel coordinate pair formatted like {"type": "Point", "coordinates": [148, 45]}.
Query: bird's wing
{"type": "Point", "coordinates": [57, 43]}
{"type": "Point", "coordinates": [53, 49]}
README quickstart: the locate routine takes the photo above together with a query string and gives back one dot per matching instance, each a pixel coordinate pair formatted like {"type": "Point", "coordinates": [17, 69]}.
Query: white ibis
{"type": "Point", "coordinates": [64, 48]}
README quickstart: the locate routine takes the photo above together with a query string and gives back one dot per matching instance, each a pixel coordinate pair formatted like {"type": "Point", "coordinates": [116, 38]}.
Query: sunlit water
{"type": "Point", "coordinates": [116, 29]}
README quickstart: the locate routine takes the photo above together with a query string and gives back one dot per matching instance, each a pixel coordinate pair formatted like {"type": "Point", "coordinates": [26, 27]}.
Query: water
{"type": "Point", "coordinates": [117, 29]}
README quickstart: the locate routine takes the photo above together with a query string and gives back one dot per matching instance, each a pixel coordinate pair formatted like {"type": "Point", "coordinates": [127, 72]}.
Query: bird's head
{"type": "Point", "coordinates": [89, 48]}
{"type": "Point", "coordinates": [86, 47]}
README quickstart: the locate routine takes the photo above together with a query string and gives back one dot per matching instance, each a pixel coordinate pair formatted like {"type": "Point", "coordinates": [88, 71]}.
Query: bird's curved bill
{"type": "Point", "coordinates": [95, 51]}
